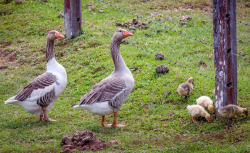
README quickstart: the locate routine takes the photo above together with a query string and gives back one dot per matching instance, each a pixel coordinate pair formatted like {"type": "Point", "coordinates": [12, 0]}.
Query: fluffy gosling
{"type": "Point", "coordinates": [205, 102]}
{"type": "Point", "coordinates": [185, 89]}
{"type": "Point", "coordinates": [196, 111]}
{"type": "Point", "coordinates": [231, 111]}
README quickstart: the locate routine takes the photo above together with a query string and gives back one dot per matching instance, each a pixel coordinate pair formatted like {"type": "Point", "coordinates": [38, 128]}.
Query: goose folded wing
{"type": "Point", "coordinates": [107, 90]}
{"type": "Point", "coordinates": [40, 86]}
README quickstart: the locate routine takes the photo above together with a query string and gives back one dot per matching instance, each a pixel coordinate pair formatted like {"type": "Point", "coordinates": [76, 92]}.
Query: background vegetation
{"type": "Point", "coordinates": [154, 122]}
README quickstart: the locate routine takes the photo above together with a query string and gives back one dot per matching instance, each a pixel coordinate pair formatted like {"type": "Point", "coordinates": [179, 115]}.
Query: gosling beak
{"type": "Point", "coordinates": [58, 35]}
{"type": "Point", "coordinates": [126, 34]}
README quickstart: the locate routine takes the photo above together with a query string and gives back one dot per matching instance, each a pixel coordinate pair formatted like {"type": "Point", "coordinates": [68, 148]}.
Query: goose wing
{"type": "Point", "coordinates": [110, 89]}
{"type": "Point", "coordinates": [41, 89]}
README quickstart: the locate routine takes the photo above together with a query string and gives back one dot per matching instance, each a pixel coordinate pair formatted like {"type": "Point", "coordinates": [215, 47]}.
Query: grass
{"type": "Point", "coordinates": [154, 123]}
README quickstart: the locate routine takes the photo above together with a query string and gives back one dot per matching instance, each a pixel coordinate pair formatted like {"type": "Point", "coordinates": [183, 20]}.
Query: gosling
{"type": "Point", "coordinates": [205, 102]}
{"type": "Point", "coordinates": [231, 111]}
{"type": "Point", "coordinates": [197, 111]}
{"type": "Point", "coordinates": [185, 89]}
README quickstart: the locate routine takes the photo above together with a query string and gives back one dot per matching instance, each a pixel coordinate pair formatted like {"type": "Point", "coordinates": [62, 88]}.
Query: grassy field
{"type": "Point", "coordinates": [155, 123]}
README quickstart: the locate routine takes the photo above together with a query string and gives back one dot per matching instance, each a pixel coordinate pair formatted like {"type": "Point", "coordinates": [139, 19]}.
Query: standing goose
{"type": "Point", "coordinates": [40, 95]}
{"type": "Point", "coordinates": [107, 96]}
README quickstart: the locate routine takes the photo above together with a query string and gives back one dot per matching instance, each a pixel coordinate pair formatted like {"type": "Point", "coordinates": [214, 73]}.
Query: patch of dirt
{"type": "Point", "coordinates": [4, 44]}
{"type": "Point", "coordinates": [135, 24]}
{"type": "Point", "coordinates": [94, 44]}
{"type": "Point", "coordinates": [98, 69]}
{"type": "Point", "coordinates": [162, 69]}
{"type": "Point", "coordinates": [82, 140]}
{"type": "Point", "coordinates": [7, 56]}
{"type": "Point", "coordinates": [6, 10]}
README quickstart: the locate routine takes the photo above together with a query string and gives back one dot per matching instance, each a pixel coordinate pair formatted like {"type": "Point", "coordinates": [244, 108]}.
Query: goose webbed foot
{"type": "Point", "coordinates": [49, 119]}
{"type": "Point", "coordinates": [114, 122]}
{"type": "Point", "coordinates": [46, 118]}
{"type": "Point", "coordinates": [194, 120]}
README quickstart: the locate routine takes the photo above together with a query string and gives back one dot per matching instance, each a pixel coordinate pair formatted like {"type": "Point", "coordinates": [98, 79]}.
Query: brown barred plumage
{"type": "Point", "coordinates": [39, 82]}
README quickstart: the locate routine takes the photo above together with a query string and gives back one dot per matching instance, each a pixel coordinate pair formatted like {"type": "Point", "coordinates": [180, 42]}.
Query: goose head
{"type": "Point", "coordinates": [121, 34]}
{"type": "Point", "coordinates": [53, 35]}
{"type": "Point", "coordinates": [191, 80]}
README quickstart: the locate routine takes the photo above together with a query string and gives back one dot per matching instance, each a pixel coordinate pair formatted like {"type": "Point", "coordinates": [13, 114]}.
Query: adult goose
{"type": "Point", "coordinates": [40, 95]}
{"type": "Point", "coordinates": [107, 96]}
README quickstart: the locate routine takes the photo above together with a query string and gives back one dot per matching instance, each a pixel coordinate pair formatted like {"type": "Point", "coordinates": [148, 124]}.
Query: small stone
{"type": "Point", "coordinates": [159, 56]}
{"type": "Point", "coordinates": [132, 31]}
{"type": "Point", "coordinates": [60, 15]}
{"type": "Point", "coordinates": [45, 0]}
{"type": "Point", "coordinates": [182, 23]}
{"type": "Point", "coordinates": [135, 21]}
{"type": "Point", "coordinates": [131, 28]}
{"type": "Point", "coordinates": [162, 69]}
{"type": "Point", "coordinates": [167, 94]}
{"type": "Point", "coordinates": [203, 21]}
{"type": "Point", "coordinates": [188, 17]}
{"type": "Point", "coordinates": [101, 11]}
{"type": "Point", "coordinates": [159, 31]}
{"type": "Point", "coordinates": [134, 69]}
{"type": "Point", "coordinates": [89, 8]}
{"type": "Point", "coordinates": [18, 1]}
{"type": "Point", "coordinates": [183, 18]}
{"type": "Point", "coordinates": [155, 14]}
{"type": "Point", "coordinates": [88, 4]}
{"type": "Point", "coordinates": [201, 63]}
{"type": "Point", "coordinates": [144, 23]}
{"type": "Point", "coordinates": [118, 24]}
{"type": "Point", "coordinates": [147, 35]}
{"type": "Point", "coordinates": [160, 19]}
{"type": "Point", "coordinates": [169, 18]}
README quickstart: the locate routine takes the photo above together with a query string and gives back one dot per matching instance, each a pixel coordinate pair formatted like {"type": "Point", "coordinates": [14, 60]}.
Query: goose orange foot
{"type": "Point", "coordinates": [117, 125]}
{"type": "Point", "coordinates": [114, 122]}
{"type": "Point", "coordinates": [49, 119]}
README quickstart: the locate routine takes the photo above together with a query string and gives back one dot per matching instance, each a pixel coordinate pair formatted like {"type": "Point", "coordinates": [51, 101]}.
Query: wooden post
{"type": "Point", "coordinates": [72, 18]}
{"type": "Point", "coordinates": [224, 31]}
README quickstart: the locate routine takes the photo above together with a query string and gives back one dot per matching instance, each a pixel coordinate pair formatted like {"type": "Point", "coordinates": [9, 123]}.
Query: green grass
{"type": "Point", "coordinates": [154, 123]}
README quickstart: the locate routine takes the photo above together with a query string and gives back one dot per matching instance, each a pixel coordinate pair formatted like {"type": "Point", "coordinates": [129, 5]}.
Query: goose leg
{"type": "Point", "coordinates": [193, 120]}
{"type": "Point", "coordinates": [103, 120]}
{"type": "Point", "coordinates": [114, 122]}
{"type": "Point", "coordinates": [41, 117]}
{"type": "Point", "coordinates": [46, 118]}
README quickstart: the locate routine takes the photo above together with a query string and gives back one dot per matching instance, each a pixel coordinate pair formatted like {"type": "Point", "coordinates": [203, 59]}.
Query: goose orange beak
{"type": "Point", "coordinates": [126, 34]}
{"type": "Point", "coordinates": [58, 35]}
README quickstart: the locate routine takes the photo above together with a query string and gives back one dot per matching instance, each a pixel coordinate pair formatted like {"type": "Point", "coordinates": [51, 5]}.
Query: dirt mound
{"type": "Point", "coordinates": [135, 24]}
{"type": "Point", "coordinates": [162, 69]}
{"type": "Point", "coordinates": [82, 140]}
{"type": "Point", "coordinates": [159, 56]}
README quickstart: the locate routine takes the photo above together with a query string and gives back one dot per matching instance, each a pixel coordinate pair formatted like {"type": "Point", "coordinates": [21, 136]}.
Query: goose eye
{"type": "Point", "coordinates": [120, 31]}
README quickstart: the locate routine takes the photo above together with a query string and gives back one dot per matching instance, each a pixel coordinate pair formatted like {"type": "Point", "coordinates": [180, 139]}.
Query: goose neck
{"type": "Point", "coordinates": [119, 64]}
{"type": "Point", "coordinates": [49, 50]}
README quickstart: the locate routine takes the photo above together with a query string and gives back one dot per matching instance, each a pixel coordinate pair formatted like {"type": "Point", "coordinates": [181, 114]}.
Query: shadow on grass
{"type": "Point", "coordinates": [14, 124]}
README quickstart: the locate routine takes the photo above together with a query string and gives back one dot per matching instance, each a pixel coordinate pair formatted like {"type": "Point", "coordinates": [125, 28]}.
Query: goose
{"type": "Point", "coordinates": [185, 89]}
{"type": "Point", "coordinates": [39, 95]}
{"type": "Point", "coordinates": [197, 111]}
{"type": "Point", "coordinates": [231, 111]}
{"type": "Point", "coordinates": [205, 102]}
{"type": "Point", "coordinates": [107, 96]}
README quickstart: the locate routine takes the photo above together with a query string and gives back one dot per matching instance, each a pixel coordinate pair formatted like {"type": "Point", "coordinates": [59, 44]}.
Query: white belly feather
{"type": "Point", "coordinates": [101, 108]}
